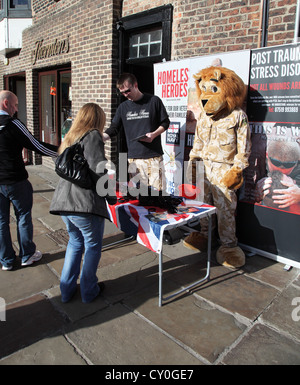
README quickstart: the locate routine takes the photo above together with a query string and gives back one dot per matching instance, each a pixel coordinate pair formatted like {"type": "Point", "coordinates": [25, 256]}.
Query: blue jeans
{"type": "Point", "coordinates": [85, 234]}
{"type": "Point", "coordinates": [20, 195]}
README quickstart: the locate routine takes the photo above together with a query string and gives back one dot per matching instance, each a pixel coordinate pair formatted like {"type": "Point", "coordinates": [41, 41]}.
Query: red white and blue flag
{"type": "Point", "coordinates": [147, 224]}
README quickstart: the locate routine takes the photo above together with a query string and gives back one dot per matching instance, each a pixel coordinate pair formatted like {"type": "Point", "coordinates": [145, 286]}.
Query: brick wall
{"type": "Point", "coordinates": [199, 28]}
{"type": "Point", "coordinates": [46, 8]}
{"type": "Point", "coordinates": [206, 27]}
{"type": "Point", "coordinates": [92, 54]}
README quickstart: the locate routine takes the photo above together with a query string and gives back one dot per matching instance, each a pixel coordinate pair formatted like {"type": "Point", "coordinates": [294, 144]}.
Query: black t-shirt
{"type": "Point", "coordinates": [138, 118]}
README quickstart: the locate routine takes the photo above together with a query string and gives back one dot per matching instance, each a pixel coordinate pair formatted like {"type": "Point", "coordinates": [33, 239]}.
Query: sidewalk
{"type": "Point", "coordinates": [249, 316]}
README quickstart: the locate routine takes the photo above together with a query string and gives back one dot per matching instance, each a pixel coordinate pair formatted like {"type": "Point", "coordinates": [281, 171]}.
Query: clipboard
{"type": "Point", "coordinates": [139, 137]}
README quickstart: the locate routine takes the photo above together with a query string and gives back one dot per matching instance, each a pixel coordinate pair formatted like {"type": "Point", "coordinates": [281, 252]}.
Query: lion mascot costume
{"type": "Point", "coordinates": [222, 142]}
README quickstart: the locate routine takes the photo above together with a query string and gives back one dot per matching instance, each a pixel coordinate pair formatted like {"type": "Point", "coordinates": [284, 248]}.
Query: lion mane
{"type": "Point", "coordinates": [219, 89]}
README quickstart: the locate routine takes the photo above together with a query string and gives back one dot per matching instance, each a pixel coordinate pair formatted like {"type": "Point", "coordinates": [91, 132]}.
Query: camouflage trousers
{"type": "Point", "coordinates": [225, 200]}
{"type": "Point", "coordinates": [149, 172]}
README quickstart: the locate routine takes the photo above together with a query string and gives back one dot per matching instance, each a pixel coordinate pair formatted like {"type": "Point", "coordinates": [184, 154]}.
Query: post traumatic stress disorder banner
{"type": "Point", "coordinates": [272, 180]}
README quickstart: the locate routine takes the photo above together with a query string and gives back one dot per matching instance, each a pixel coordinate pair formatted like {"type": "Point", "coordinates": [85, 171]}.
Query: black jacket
{"type": "Point", "coordinates": [14, 136]}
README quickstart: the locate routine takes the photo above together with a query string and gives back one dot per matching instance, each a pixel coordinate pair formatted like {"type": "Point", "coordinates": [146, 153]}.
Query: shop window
{"type": "Point", "coordinates": [14, 4]}
{"type": "Point", "coordinates": [55, 104]}
{"type": "Point", "coordinates": [15, 9]}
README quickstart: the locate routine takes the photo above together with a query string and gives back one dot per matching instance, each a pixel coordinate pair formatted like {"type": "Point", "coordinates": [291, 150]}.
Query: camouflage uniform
{"type": "Point", "coordinates": [150, 171]}
{"type": "Point", "coordinates": [221, 144]}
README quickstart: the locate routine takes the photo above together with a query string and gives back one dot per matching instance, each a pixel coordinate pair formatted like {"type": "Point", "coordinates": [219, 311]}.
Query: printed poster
{"type": "Point", "coordinates": [269, 207]}
{"type": "Point", "coordinates": [171, 85]}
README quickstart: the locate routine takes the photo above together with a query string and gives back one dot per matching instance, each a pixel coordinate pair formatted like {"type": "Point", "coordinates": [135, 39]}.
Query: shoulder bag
{"type": "Point", "coordinates": [72, 166]}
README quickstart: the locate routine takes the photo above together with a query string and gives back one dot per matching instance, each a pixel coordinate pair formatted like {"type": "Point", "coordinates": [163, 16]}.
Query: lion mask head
{"type": "Point", "coordinates": [219, 89]}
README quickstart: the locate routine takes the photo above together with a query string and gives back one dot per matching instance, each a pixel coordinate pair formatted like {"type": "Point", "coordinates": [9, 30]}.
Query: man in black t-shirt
{"type": "Point", "coordinates": [144, 119]}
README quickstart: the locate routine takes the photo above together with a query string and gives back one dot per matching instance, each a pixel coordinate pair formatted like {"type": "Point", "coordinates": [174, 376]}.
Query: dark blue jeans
{"type": "Point", "coordinates": [20, 195]}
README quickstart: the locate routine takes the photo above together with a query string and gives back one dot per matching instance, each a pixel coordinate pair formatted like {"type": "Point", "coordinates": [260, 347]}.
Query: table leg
{"type": "Point", "coordinates": [160, 276]}
{"type": "Point", "coordinates": [207, 276]}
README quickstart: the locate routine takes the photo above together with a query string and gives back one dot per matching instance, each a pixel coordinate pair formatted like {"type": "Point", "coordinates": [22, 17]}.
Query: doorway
{"type": "Point", "coordinates": [17, 84]}
{"type": "Point", "coordinates": [144, 39]}
{"type": "Point", "coordinates": [55, 109]}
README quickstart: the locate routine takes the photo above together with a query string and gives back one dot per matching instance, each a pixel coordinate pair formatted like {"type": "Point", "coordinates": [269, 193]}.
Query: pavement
{"type": "Point", "coordinates": [245, 316]}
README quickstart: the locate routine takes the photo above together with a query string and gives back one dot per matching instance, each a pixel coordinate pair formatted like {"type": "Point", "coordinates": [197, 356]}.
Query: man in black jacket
{"type": "Point", "coordinates": [14, 184]}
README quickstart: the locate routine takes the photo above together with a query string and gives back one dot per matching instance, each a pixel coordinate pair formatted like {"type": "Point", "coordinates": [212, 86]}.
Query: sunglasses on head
{"type": "Point", "coordinates": [279, 163]}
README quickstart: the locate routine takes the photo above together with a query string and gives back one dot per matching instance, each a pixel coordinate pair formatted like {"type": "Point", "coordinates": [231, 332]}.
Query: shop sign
{"type": "Point", "coordinates": [42, 51]}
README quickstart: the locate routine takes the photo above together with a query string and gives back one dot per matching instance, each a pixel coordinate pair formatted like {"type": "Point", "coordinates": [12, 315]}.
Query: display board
{"type": "Point", "coordinates": [267, 224]}
{"type": "Point", "coordinates": [171, 85]}
{"type": "Point", "coordinates": [268, 219]}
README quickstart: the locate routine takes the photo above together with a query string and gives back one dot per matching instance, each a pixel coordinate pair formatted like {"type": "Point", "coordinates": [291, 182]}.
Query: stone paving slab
{"type": "Point", "coordinates": [284, 312]}
{"type": "Point", "coordinates": [264, 346]}
{"type": "Point", "coordinates": [75, 309]}
{"type": "Point", "coordinates": [197, 324]}
{"type": "Point", "coordinates": [54, 350]}
{"type": "Point", "coordinates": [24, 282]}
{"type": "Point", "coordinates": [118, 253]}
{"type": "Point", "coordinates": [230, 289]}
{"type": "Point", "coordinates": [132, 274]}
{"type": "Point", "coordinates": [268, 271]}
{"type": "Point", "coordinates": [117, 336]}
{"type": "Point", "coordinates": [28, 321]}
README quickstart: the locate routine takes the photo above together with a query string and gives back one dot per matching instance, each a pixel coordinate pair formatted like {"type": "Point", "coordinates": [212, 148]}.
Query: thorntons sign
{"type": "Point", "coordinates": [44, 51]}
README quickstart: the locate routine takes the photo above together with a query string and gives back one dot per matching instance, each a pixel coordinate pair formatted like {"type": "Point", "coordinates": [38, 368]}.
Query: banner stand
{"type": "Point", "coordinates": [274, 257]}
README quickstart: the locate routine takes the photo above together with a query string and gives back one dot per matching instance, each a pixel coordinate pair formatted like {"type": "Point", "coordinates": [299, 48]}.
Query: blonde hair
{"type": "Point", "coordinates": [89, 117]}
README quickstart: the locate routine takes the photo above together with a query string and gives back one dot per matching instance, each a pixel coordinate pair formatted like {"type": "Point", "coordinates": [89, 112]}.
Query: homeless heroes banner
{"type": "Point", "coordinates": [272, 224]}
{"type": "Point", "coordinates": [174, 84]}
{"type": "Point", "coordinates": [171, 85]}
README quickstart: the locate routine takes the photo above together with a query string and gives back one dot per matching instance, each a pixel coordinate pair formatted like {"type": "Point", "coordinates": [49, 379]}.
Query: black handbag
{"type": "Point", "coordinates": [72, 166]}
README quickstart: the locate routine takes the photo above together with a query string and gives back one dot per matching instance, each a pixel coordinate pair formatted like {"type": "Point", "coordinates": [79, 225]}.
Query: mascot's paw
{"type": "Point", "coordinates": [233, 178]}
{"type": "Point", "coordinates": [199, 242]}
{"type": "Point", "coordinates": [231, 256]}
{"type": "Point", "coordinates": [195, 241]}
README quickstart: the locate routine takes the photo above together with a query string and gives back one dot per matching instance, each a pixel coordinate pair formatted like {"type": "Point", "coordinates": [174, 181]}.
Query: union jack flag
{"type": "Point", "coordinates": [148, 223]}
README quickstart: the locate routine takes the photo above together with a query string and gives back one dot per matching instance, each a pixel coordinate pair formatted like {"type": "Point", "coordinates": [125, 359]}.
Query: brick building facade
{"type": "Point", "coordinates": [77, 49]}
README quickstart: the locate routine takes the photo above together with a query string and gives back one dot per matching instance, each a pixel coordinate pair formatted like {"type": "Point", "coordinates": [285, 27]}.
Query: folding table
{"type": "Point", "coordinates": [148, 224]}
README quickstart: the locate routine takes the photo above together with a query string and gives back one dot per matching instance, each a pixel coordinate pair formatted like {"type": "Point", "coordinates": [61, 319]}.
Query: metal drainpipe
{"type": "Point", "coordinates": [265, 23]}
{"type": "Point", "coordinates": [297, 22]}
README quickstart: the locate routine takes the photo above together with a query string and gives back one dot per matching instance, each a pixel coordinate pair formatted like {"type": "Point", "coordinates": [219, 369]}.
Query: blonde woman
{"type": "Point", "coordinates": [82, 210]}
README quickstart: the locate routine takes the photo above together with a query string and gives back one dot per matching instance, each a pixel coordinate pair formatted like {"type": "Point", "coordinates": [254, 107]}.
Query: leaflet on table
{"type": "Point", "coordinates": [182, 211]}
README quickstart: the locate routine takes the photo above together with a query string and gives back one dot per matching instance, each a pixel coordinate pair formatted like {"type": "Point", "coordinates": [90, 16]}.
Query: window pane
{"type": "Point", "coordinates": [144, 37]}
{"type": "Point", "coordinates": [156, 35]}
{"type": "Point", "coordinates": [133, 51]}
{"type": "Point", "coordinates": [65, 103]}
{"type": "Point", "coordinates": [18, 3]}
{"type": "Point", "coordinates": [143, 51]}
{"type": "Point", "coordinates": [48, 109]}
{"type": "Point", "coordinates": [155, 49]}
{"type": "Point", "coordinates": [134, 39]}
